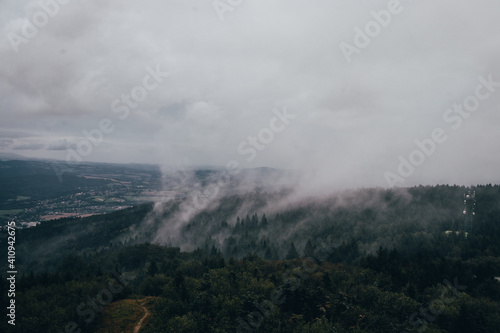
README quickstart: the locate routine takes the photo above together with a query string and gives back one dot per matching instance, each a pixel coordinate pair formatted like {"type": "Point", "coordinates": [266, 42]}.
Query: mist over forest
{"type": "Point", "coordinates": [327, 255]}
{"type": "Point", "coordinates": [255, 166]}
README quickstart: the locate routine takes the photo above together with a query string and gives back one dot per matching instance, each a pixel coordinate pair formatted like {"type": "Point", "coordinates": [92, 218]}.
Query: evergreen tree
{"type": "Point", "coordinates": [263, 221]}
{"type": "Point", "coordinates": [309, 249]}
{"type": "Point", "coordinates": [153, 268]}
{"type": "Point", "coordinates": [268, 255]}
{"type": "Point", "coordinates": [255, 221]}
{"type": "Point", "coordinates": [292, 252]}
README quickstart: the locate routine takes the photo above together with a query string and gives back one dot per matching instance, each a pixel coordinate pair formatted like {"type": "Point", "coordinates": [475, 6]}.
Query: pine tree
{"type": "Point", "coordinates": [268, 255]}
{"type": "Point", "coordinates": [309, 250]}
{"type": "Point", "coordinates": [263, 221]}
{"type": "Point", "coordinates": [255, 221]}
{"type": "Point", "coordinates": [153, 268]}
{"type": "Point", "coordinates": [292, 252]}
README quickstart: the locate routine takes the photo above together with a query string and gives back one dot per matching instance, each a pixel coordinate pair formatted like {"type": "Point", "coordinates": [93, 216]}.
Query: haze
{"type": "Point", "coordinates": [233, 68]}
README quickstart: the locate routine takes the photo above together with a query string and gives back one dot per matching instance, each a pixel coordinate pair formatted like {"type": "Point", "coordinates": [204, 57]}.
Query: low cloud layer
{"type": "Point", "coordinates": [230, 68]}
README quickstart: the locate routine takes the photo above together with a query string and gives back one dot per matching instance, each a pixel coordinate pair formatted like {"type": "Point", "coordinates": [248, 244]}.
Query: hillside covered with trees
{"type": "Point", "coordinates": [370, 260]}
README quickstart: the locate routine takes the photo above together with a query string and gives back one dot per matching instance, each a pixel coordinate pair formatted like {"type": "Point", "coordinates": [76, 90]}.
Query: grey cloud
{"type": "Point", "coordinates": [62, 144]}
{"type": "Point", "coordinates": [15, 134]}
{"type": "Point", "coordinates": [29, 146]}
{"type": "Point", "coordinates": [174, 112]}
{"type": "Point", "coordinates": [5, 142]}
{"type": "Point", "coordinates": [353, 119]}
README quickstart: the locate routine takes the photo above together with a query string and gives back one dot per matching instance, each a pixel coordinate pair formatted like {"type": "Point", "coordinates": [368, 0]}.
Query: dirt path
{"type": "Point", "coordinates": [146, 313]}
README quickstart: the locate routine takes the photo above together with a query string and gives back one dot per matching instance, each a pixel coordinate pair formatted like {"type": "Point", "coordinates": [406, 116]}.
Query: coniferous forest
{"type": "Point", "coordinates": [249, 166]}
{"type": "Point", "coordinates": [367, 260]}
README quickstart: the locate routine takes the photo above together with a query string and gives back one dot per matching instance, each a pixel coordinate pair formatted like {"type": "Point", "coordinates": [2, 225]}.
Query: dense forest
{"type": "Point", "coordinates": [367, 260]}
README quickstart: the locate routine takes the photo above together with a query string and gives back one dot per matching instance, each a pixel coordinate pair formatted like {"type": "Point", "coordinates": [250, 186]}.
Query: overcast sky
{"type": "Point", "coordinates": [354, 105]}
